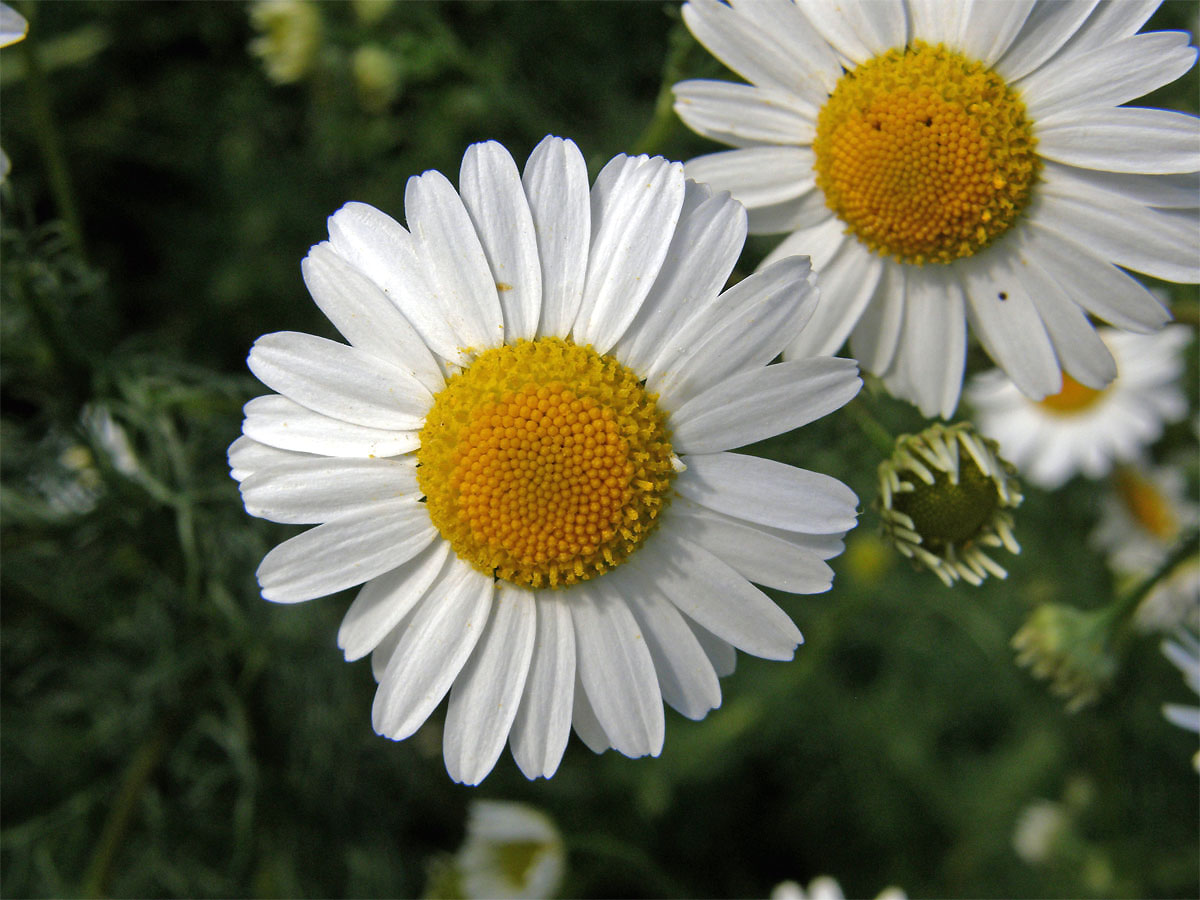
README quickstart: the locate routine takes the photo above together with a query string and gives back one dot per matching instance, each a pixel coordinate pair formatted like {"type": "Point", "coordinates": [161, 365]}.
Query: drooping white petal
{"type": "Point", "coordinates": [706, 245]}
{"type": "Point", "coordinates": [321, 489]}
{"type": "Point", "coordinates": [874, 339]}
{"type": "Point", "coordinates": [1007, 323]}
{"type": "Point", "coordinates": [247, 456]}
{"type": "Point", "coordinates": [747, 327]}
{"type": "Point", "coordinates": [720, 653]}
{"type": "Point", "coordinates": [845, 284]}
{"type": "Point", "coordinates": [484, 698]}
{"type": "Point", "coordinates": [339, 381]}
{"type": "Point", "coordinates": [495, 200]}
{"type": "Point", "coordinates": [584, 721]}
{"type": "Point", "coordinates": [385, 600]}
{"type": "Point", "coordinates": [685, 674]}
{"type": "Point", "coordinates": [556, 185]}
{"type": "Point", "coordinates": [769, 493]}
{"type": "Point", "coordinates": [743, 115]}
{"type": "Point", "coordinates": [634, 214]}
{"type": "Point", "coordinates": [432, 650]}
{"type": "Point", "coordinates": [616, 670]}
{"type": "Point", "coordinates": [756, 176]}
{"type": "Point", "coordinates": [928, 367]}
{"type": "Point", "coordinates": [714, 594]}
{"type": "Point", "coordinates": [345, 552]}
{"type": "Point", "coordinates": [764, 557]}
{"type": "Point", "coordinates": [365, 316]}
{"type": "Point", "coordinates": [379, 247]}
{"type": "Point", "coordinates": [1125, 139]}
{"type": "Point", "coordinates": [283, 423]}
{"type": "Point", "coordinates": [760, 403]}
{"type": "Point", "coordinates": [543, 722]}
{"type": "Point", "coordinates": [1107, 76]}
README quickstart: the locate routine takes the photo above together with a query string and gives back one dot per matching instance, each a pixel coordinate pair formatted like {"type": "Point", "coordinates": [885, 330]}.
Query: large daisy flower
{"type": "Point", "coordinates": [949, 163]}
{"type": "Point", "coordinates": [1081, 429]}
{"type": "Point", "coordinates": [523, 453]}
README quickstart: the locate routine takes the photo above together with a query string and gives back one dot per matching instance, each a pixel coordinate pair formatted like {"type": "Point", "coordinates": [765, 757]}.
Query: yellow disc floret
{"type": "Point", "coordinates": [544, 463]}
{"type": "Point", "coordinates": [925, 155]}
{"type": "Point", "coordinates": [1073, 398]}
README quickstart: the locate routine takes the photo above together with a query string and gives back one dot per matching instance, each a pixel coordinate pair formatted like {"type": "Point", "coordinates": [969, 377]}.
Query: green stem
{"type": "Point", "coordinates": [883, 439]}
{"type": "Point", "coordinates": [1123, 607]}
{"type": "Point", "coordinates": [48, 138]}
{"type": "Point", "coordinates": [664, 122]}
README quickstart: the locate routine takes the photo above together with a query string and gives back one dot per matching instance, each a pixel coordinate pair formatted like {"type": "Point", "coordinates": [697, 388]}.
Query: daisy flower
{"type": "Point", "coordinates": [1184, 654]}
{"type": "Point", "coordinates": [1080, 429]}
{"type": "Point", "coordinates": [522, 452]}
{"type": "Point", "coordinates": [950, 164]}
{"type": "Point", "coordinates": [825, 887]}
{"type": "Point", "coordinates": [511, 851]}
{"type": "Point", "coordinates": [1142, 515]}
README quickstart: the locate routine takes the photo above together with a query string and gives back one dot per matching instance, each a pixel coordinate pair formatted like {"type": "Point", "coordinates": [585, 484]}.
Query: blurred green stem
{"type": "Point", "coordinates": [1123, 607]}
{"type": "Point", "coordinates": [660, 128]}
{"type": "Point", "coordinates": [883, 439]}
{"type": "Point", "coordinates": [49, 141]}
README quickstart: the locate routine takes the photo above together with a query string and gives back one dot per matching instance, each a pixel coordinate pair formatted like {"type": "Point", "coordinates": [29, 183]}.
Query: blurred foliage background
{"type": "Point", "coordinates": [166, 732]}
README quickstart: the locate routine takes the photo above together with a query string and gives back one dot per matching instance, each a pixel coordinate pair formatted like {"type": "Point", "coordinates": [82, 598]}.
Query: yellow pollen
{"type": "Point", "coordinates": [925, 155]}
{"type": "Point", "coordinates": [1146, 504]}
{"type": "Point", "coordinates": [1073, 398]}
{"type": "Point", "coordinates": [544, 463]}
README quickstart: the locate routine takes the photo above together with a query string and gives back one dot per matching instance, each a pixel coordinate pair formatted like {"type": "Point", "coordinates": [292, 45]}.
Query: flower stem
{"type": "Point", "coordinates": [664, 122]}
{"type": "Point", "coordinates": [1123, 607]}
{"type": "Point", "coordinates": [883, 439]}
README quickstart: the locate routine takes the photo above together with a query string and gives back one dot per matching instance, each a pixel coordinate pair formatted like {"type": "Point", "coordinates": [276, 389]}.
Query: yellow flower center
{"type": "Point", "coordinates": [925, 155]}
{"type": "Point", "coordinates": [1146, 504]}
{"type": "Point", "coordinates": [1073, 398]}
{"type": "Point", "coordinates": [544, 463]}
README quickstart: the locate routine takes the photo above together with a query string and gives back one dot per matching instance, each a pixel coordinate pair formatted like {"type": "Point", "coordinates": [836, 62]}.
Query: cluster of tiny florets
{"type": "Point", "coordinates": [924, 154]}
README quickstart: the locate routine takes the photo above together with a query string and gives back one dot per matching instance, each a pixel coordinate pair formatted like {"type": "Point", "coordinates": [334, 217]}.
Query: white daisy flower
{"type": "Point", "coordinates": [13, 25]}
{"type": "Point", "coordinates": [825, 887]}
{"type": "Point", "coordinates": [950, 163]}
{"type": "Point", "coordinates": [1081, 429]}
{"type": "Point", "coordinates": [1141, 516]}
{"type": "Point", "coordinates": [511, 851]}
{"type": "Point", "coordinates": [1184, 654]}
{"type": "Point", "coordinates": [523, 453]}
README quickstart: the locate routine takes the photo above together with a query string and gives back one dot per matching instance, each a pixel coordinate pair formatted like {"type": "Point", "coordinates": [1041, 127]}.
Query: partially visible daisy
{"type": "Point", "coordinates": [523, 453]}
{"type": "Point", "coordinates": [1141, 516]}
{"type": "Point", "coordinates": [1174, 601]}
{"type": "Point", "coordinates": [1039, 831]}
{"type": "Point", "coordinates": [289, 37]}
{"type": "Point", "coordinates": [13, 28]}
{"type": "Point", "coordinates": [1084, 430]}
{"type": "Point", "coordinates": [951, 164]}
{"type": "Point", "coordinates": [823, 887]}
{"type": "Point", "coordinates": [1184, 654]}
{"type": "Point", "coordinates": [511, 850]}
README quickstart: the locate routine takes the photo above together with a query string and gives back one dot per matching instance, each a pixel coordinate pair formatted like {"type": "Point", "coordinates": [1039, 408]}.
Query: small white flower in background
{"type": "Point", "coordinates": [13, 25]}
{"type": "Point", "coordinates": [824, 887]}
{"type": "Point", "coordinates": [1174, 601]}
{"type": "Point", "coordinates": [1184, 653]}
{"type": "Point", "coordinates": [1039, 831]}
{"type": "Point", "coordinates": [290, 36]}
{"type": "Point", "coordinates": [1083, 430]}
{"type": "Point", "coordinates": [951, 165]}
{"type": "Point", "coordinates": [524, 453]}
{"type": "Point", "coordinates": [511, 851]}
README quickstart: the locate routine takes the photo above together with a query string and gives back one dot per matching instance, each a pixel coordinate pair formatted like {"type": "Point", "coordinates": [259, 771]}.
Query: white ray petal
{"type": "Point", "coordinates": [321, 489]}
{"type": "Point", "coordinates": [247, 456]}
{"type": "Point", "coordinates": [756, 176]}
{"type": "Point", "coordinates": [1125, 139]}
{"type": "Point", "coordinates": [283, 423]}
{"type": "Point", "coordinates": [543, 721]}
{"type": "Point", "coordinates": [743, 115]}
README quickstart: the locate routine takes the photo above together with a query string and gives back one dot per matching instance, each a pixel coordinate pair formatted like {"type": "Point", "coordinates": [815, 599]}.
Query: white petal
{"type": "Point", "coordinates": [495, 200]}
{"type": "Point", "coordinates": [247, 456]}
{"type": "Point", "coordinates": [760, 403]}
{"type": "Point", "coordinates": [874, 339]}
{"type": "Point", "coordinates": [339, 381]}
{"type": "Point", "coordinates": [556, 184]}
{"type": "Point", "coordinates": [1107, 76]}
{"type": "Point", "coordinates": [845, 285]}
{"type": "Point", "coordinates": [484, 698]}
{"type": "Point", "coordinates": [933, 344]}
{"type": "Point", "coordinates": [992, 28]}
{"type": "Point", "coordinates": [1094, 283]}
{"type": "Point", "coordinates": [341, 554]}
{"type": "Point", "coordinates": [747, 327]}
{"type": "Point", "coordinates": [737, 40]}
{"type": "Point", "coordinates": [543, 722]}
{"type": "Point", "coordinates": [685, 673]}
{"type": "Point", "coordinates": [634, 214]}
{"type": "Point", "coordinates": [385, 600]}
{"type": "Point", "coordinates": [377, 245]}
{"type": "Point", "coordinates": [859, 30]}
{"type": "Point", "coordinates": [720, 653]}
{"type": "Point", "coordinates": [1164, 191]}
{"type": "Point", "coordinates": [432, 651]}
{"type": "Point", "coordinates": [1007, 323]}
{"type": "Point", "coordinates": [714, 594]}
{"type": "Point", "coordinates": [743, 115]}
{"type": "Point", "coordinates": [757, 176]}
{"type": "Point", "coordinates": [449, 250]}
{"type": "Point", "coordinates": [936, 22]}
{"type": "Point", "coordinates": [1048, 27]}
{"type": "Point", "coordinates": [805, 211]}
{"type": "Point", "coordinates": [760, 556]}
{"type": "Point", "coordinates": [366, 317]}
{"type": "Point", "coordinates": [584, 721]}
{"type": "Point", "coordinates": [616, 670]}
{"type": "Point", "coordinates": [283, 423]}
{"type": "Point", "coordinates": [707, 242]}
{"type": "Point", "coordinates": [307, 491]}
{"type": "Point", "coordinates": [1109, 23]}
{"type": "Point", "coordinates": [786, 26]}
{"type": "Point", "coordinates": [769, 493]}
{"type": "Point", "coordinates": [1126, 139]}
